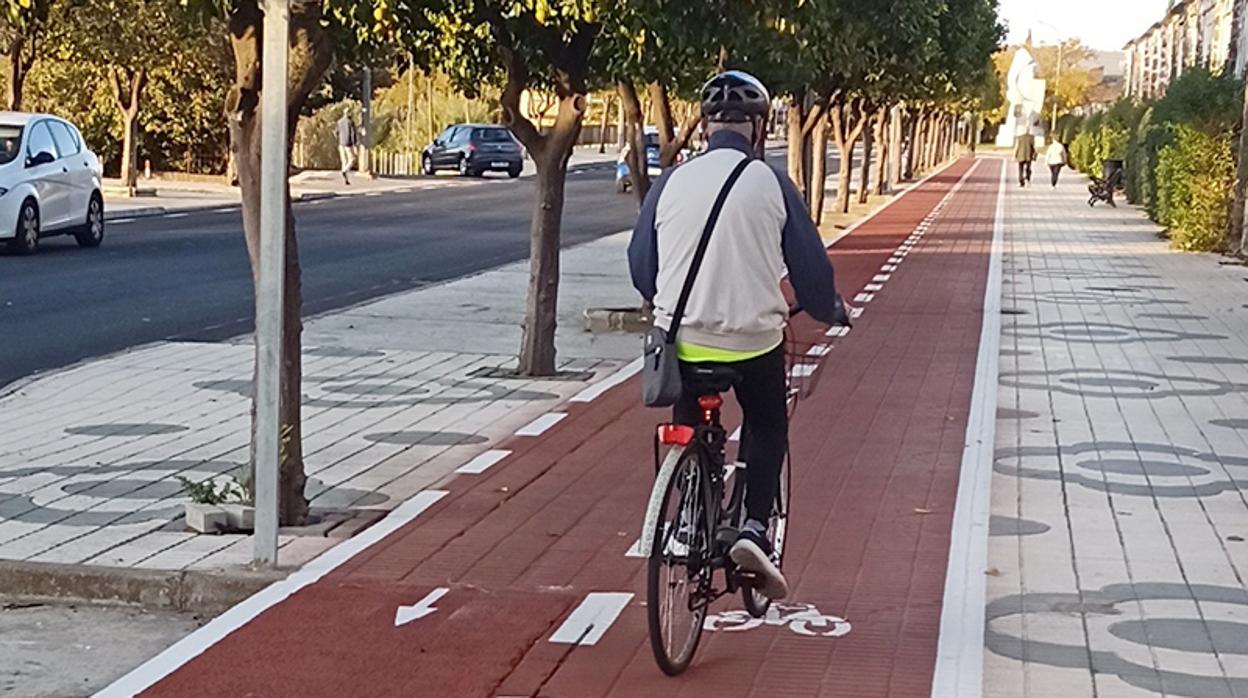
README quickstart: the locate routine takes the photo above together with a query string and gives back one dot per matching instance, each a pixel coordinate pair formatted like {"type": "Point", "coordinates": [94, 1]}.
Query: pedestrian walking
{"type": "Point", "coordinates": [347, 141]}
{"type": "Point", "coordinates": [1055, 156]}
{"type": "Point", "coordinates": [1024, 154]}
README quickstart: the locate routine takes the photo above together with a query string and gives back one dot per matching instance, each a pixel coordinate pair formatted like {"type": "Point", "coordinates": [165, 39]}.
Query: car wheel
{"type": "Point", "coordinates": [513, 172]}
{"type": "Point", "coordinates": [426, 165]}
{"type": "Point", "coordinates": [464, 169]}
{"type": "Point", "coordinates": [92, 234]}
{"type": "Point", "coordinates": [27, 239]}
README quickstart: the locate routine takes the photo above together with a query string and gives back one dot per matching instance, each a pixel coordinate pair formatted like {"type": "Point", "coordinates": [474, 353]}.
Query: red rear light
{"type": "Point", "coordinates": [675, 434]}
{"type": "Point", "coordinates": [710, 402]}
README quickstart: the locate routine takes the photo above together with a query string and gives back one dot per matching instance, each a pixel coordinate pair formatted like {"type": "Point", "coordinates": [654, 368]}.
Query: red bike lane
{"type": "Point", "coordinates": [518, 580]}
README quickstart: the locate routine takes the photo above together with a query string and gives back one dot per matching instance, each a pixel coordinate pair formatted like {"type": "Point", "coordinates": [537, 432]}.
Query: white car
{"type": "Point", "coordinates": [49, 183]}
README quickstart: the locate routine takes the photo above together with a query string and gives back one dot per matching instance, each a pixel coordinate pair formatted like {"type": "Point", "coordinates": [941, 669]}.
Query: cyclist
{"type": "Point", "coordinates": [736, 312]}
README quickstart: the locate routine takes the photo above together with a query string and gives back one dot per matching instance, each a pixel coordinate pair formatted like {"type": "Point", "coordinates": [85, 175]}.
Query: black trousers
{"type": "Point", "coordinates": [762, 392]}
{"type": "Point", "coordinates": [1024, 172]}
{"type": "Point", "coordinates": [1057, 171]}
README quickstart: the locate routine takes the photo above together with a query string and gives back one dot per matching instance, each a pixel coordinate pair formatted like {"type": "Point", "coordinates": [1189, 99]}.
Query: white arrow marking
{"type": "Point", "coordinates": [422, 608]}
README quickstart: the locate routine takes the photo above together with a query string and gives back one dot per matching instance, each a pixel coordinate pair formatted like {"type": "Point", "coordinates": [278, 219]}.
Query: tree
{"type": "Point", "coordinates": [21, 35]}
{"type": "Point", "coordinates": [545, 45]}
{"type": "Point", "coordinates": [127, 41]}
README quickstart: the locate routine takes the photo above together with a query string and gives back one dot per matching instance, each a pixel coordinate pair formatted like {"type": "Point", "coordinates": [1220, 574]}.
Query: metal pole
{"type": "Point", "coordinates": [366, 133]}
{"type": "Point", "coordinates": [272, 269]}
{"type": "Point", "coordinates": [1061, 45]}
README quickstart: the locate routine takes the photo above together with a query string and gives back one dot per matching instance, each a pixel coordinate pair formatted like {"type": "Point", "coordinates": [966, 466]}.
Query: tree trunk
{"type": "Point", "coordinates": [602, 129]}
{"type": "Point", "coordinates": [310, 56]}
{"type": "Point", "coordinates": [848, 120]}
{"type": "Point", "coordinates": [634, 125]}
{"type": "Point", "coordinates": [550, 153]}
{"type": "Point", "coordinates": [129, 170]}
{"type": "Point", "coordinates": [794, 117]}
{"type": "Point", "coordinates": [21, 55]}
{"type": "Point", "coordinates": [621, 128]}
{"type": "Point", "coordinates": [537, 349]}
{"type": "Point", "coordinates": [818, 170]}
{"type": "Point", "coordinates": [1239, 226]}
{"type": "Point", "coordinates": [913, 154]}
{"type": "Point", "coordinates": [868, 144]}
{"type": "Point", "coordinates": [885, 151]}
{"type": "Point", "coordinates": [672, 139]}
{"type": "Point", "coordinates": [896, 122]}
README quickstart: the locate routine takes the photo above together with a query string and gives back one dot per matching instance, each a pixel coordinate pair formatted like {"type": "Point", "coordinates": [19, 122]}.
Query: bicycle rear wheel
{"type": "Point", "coordinates": [680, 565]}
{"type": "Point", "coordinates": [755, 603]}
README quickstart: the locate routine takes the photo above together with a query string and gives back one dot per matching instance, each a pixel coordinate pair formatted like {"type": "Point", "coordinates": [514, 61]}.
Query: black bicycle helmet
{"type": "Point", "coordinates": [734, 96]}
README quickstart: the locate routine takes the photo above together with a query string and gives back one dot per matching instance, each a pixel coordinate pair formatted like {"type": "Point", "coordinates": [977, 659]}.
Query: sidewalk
{"type": "Point", "coordinates": [1117, 560]}
{"type": "Point", "coordinates": [393, 403]}
{"type": "Point", "coordinates": [521, 562]}
{"type": "Point", "coordinates": [175, 196]}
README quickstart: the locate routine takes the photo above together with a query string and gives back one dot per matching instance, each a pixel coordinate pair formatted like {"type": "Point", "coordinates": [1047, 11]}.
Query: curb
{"type": "Point", "coordinates": [207, 591]}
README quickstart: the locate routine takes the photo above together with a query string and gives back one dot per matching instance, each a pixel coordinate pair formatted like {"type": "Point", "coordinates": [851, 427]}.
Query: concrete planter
{"type": "Point", "coordinates": [242, 516]}
{"type": "Point", "coordinates": [206, 518]}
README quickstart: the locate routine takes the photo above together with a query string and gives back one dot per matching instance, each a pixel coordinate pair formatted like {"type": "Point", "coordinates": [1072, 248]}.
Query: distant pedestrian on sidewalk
{"type": "Point", "coordinates": [347, 141]}
{"type": "Point", "coordinates": [1024, 154]}
{"type": "Point", "coordinates": [1055, 156]}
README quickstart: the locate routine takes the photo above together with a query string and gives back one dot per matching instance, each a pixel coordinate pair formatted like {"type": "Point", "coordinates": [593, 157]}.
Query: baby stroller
{"type": "Point", "coordinates": [1102, 188]}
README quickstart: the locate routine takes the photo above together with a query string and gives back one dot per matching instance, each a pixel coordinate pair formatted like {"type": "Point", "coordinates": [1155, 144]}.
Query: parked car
{"type": "Point", "coordinates": [49, 183]}
{"type": "Point", "coordinates": [474, 149]}
{"type": "Point", "coordinates": [653, 168]}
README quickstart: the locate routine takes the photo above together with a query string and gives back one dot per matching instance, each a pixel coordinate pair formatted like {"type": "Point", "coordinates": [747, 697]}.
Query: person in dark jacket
{"type": "Point", "coordinates": [347, 141]}
{"type": "Point", "coordinates": [1024, 155]}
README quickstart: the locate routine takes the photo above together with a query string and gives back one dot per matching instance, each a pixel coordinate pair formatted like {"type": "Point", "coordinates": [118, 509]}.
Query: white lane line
{"type": "Point", "coordinates": [482, 463]}
{"type": "Point", "coordinates": [960, 653]}
{"type": "Point", "coordinates": [837, 331]}
{"type": "Point", "coordinates": [591, 620]}
{"type": "Point", "coordinates": [855, 313]}
{"type": "Point", "coordinates": [539, 426]}
{"type": "Point", "coordinates": [894, 261]}
{"type": "Point", "coordinates": [635, 550]}
{"type": "Point", "coordinates": [873, 288]}
{"type": "Point", "coordinates": [888, 268]}
{"type": "Point", "coordinates": [594, 391]}
{"type": "Point", "coordinates": [191, 646]}
{"type": "Point", "coordinates": [819, 350]}
{"type": "Point", "coordinates": [373, 193]}
{"type": "Point", "coordinates": [802, 370]}
{"type": "Point", "coordinates": [119, 220]}
{"type": "Point", "coordinates": [864, 297]}
{"type": "Point", "coordinates": [735, 435]}
{"type": "Point", "coordinates": [881, 278]}
{"type": "Point", "coordinates": [176, 215]}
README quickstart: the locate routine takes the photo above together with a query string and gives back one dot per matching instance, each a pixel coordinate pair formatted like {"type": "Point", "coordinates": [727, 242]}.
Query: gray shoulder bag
{"type": "Point", "coordinates": [660, 370]}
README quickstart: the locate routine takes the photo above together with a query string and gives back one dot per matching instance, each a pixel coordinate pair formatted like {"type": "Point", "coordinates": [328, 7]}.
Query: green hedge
{"type": "Point", "coordinates": [1179, 155]}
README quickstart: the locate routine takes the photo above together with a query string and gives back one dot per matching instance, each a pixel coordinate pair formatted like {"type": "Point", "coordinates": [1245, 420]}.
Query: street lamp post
{"type": "Point", "coordinates": [269, 289]}
{"type": "Point", "coordinates": [1061, 47]}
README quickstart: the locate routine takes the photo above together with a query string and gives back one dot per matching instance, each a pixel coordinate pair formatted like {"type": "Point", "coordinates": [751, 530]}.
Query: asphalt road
{"type": "Point", "coordinates": [187, 277]}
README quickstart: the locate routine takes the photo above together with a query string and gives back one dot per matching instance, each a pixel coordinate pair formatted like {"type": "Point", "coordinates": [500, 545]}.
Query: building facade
{"type": "Point", "coordinates": [1192, 33]}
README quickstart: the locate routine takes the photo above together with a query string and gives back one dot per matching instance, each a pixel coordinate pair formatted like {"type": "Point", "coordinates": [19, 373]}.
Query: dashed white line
{"type": "Point", "coordinates": [864, 297]}
{"type": "Point", "coordinates": [872, 288]}
{"type": "Point", "coordinates": [539, 426]}
{"type": "Point", "coordinates": [889, 268]}
{"type": "Point", "coordinates": [837, 331]}
{"type": "Point", "coordinates": [855, 313]}
{"type": "Point", "coordinates": [481, 463]}
{"type": "Point", "coordinates": [881, 278]}
{"type": "Point", "coordinates": [120, 220]}
{"type": "Point", "coordinates": [594, 391]}
{"type": "Point", "coordinates": [176, 215]}
{"type": "Point", "coordinates": [591, 620]}
{"type": "Point", "coordinates": [819, 350]}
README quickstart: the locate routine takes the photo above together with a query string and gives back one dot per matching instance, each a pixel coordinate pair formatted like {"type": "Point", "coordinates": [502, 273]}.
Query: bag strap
{"type": "Point", "coordinates": [679, 313]}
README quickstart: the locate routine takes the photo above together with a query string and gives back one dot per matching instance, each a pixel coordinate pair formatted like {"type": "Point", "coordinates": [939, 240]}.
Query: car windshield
{"type": "Point", "coordinates": [492, 135]}
{"type": "Point", "coordinates": [10, 142]}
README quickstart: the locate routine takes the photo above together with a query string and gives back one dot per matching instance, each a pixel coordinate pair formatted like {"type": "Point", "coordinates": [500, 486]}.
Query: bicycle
{"type": "Point", "coordinates": [698, 532]}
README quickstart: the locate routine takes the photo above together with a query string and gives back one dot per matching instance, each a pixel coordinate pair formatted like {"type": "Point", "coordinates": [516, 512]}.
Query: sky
{"type": "Point", "coordinates": [1101, 24]}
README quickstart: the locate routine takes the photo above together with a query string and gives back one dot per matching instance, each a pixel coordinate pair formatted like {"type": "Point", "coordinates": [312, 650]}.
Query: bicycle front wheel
{"type": "Point", "coordinates": [680, 566]}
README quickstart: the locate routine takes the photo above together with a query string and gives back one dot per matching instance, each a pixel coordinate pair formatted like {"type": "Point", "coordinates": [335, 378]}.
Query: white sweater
{"type": "Point", "coordinates": [1056, 154]}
